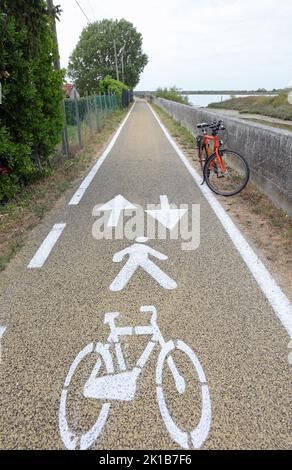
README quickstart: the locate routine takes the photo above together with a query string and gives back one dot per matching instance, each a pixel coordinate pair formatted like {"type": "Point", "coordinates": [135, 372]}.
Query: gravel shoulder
{"type": "Point", "coordinates": [267, 228]}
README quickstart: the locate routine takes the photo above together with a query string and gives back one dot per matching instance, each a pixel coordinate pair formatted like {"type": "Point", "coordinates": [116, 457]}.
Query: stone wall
{"type": "Point", "coordinates": [267, 150]}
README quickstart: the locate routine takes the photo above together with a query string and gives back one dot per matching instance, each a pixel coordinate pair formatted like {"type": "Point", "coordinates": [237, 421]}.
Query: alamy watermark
{"type": "Point", "coordinates": [156, 223]}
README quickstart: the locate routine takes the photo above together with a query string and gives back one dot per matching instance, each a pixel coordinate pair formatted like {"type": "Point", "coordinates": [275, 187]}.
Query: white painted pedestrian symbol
{"type": "Point", "coordinates": [116, 206]}
{"type": "Point", "coordinates": [120, 384]}
{"type": "Point", "coordinates": [139, 257]}
{"type": "Point", "coordinates": [166, 215]}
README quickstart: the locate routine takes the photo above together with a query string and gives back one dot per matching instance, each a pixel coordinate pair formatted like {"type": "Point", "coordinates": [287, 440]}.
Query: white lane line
{"type": "Point", "coordinates": [2, 331]}
{"type": "Point", "coordinates": [275, 296]}
{"type": "Point", "coordinates": [46, 247]}
{"type": "Point", "coordinates": [88, 179]}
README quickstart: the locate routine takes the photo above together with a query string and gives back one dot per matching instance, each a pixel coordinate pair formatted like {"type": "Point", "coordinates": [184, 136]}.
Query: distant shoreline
{"type": "Point", "coordinates": [220, 92]}
{"type": "Point", "coordinates": [230, 92]}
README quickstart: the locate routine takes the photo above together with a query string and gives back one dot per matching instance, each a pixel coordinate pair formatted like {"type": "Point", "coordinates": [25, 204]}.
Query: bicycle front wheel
{"type": "Point", "coordinates": [226, 174]}
{"type": "Point", "coordinates": [195, 436]}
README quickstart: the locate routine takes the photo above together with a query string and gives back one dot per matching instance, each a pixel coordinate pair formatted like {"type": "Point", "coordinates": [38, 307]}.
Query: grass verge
{"type": "Point", "coordinates": [274, 106]}
{"type": "Point", "coordinates": [23, 213]}
{"type": "Point", "coordinates": [268, 229]}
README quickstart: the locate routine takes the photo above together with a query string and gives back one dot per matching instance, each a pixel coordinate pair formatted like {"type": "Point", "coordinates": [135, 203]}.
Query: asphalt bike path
{"type": "Point", "coordinates": [202, 361]}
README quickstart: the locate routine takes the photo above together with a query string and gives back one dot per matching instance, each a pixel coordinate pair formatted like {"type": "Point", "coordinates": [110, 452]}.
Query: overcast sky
{"type": "Point", "coordinates": [198, 44]}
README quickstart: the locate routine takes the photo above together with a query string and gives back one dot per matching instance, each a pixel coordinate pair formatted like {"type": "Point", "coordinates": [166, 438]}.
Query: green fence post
{"type": "Point", "coordinates": [105, 105]}
{"type": "Point", "coordinates": [88, 113]}
{"type": "Point", "coordinates": [101, 109]}
{"type": "Point", "coordinates": [96, 113]}
{"type": "Point", "coordinates": [65, 132]}
{"type": "Point", "coordinates": [111, 103]}
{"type": "Point", "coordinates": [78, 121]}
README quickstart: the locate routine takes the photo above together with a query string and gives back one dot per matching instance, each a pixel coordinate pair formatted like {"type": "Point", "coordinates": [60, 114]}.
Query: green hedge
{"type": "Point", "coordinates": [30, 115]}
{"type": "Point", "coordinates": [110, 85]}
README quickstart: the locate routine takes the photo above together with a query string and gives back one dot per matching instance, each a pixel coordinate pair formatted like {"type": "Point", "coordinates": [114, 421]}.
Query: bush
{"type": "Point", "coordinates": [110, 85]}
{"type": "Point", "coordinates": [15, 163]}
{"type": "Point", "coordinates": [172, 94]}
{"type": "Point", "coordinates": [30, 116]}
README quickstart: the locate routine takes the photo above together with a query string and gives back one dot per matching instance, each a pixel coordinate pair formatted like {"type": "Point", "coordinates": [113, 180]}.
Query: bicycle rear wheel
{"type": "Point", "coordinates": [73, 440]}
{"type": "Point", "coordinates": [228, 174]}
{"type": "Point", "coordinates": [202, 152]}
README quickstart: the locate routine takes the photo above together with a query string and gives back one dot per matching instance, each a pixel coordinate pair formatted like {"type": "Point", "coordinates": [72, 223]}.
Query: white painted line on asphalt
{"type": "Point", "coordinates": [2, 331]}
{"type": "Point", "coordinates": [273, 293]}
{"type": "Point", "coordinates": [88, 179]}
{"type": "Point", "coordinates": [46, 247]}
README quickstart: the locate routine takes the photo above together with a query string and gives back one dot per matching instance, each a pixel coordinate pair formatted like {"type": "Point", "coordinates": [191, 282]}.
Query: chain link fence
{"type": "Point", "coordinates": [83, 117]}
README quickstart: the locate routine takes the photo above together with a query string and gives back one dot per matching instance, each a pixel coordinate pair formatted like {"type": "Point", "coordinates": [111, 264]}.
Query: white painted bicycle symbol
{"type": "Point", "coordinates": [121, 385]}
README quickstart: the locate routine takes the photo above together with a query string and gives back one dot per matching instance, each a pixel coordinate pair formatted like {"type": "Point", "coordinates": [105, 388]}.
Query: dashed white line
{"type": "Point", "coordinates": [273, 293]}
{"type": "Point", "coordinates": [46, 247]}
{"type": "Point", "coordinates": [88, 179]}
{"type": "Point", "coordinates": [2, 331]}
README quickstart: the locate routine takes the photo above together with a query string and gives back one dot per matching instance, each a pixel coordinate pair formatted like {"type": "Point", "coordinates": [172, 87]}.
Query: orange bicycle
{"type": "Point", "coordinates": [226, 172]}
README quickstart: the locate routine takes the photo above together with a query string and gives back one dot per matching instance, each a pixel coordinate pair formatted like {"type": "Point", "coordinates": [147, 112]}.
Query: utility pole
{"type": "Point", "coordinates": [50, 6]}
{"type": "Point", "coordinates": [57, 65]}
{"type": "Point", "coordinates": [116, 59]}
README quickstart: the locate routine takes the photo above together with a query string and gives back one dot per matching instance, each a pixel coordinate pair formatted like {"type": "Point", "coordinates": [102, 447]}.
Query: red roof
{"type": "Point", "coordinates": [68, 87]}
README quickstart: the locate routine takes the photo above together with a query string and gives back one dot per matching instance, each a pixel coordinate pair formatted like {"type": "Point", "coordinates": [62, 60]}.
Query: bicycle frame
{"type": "Point", "coordinates": [215, 139]}
{"type": "Point", "coordinates": [121, 385]}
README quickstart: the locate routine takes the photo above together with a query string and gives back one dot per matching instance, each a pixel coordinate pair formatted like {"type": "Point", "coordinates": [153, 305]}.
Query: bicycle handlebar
{"type": "Point", "coordinates": [215, 126]}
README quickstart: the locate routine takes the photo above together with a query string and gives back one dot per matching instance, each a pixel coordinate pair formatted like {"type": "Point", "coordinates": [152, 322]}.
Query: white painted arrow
{"type": "Point", "coordinates": [116, 206]}
{"type": "Point", "coordinates": [166, 215]}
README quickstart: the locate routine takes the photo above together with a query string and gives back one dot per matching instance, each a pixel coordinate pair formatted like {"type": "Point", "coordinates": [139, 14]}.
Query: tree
{"type": "Point", "coordinates": [30, 116]}
{"type": "Point", "coordinates": [94, 56]}
{"type": "Point", "coordinates": [172, 94]}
